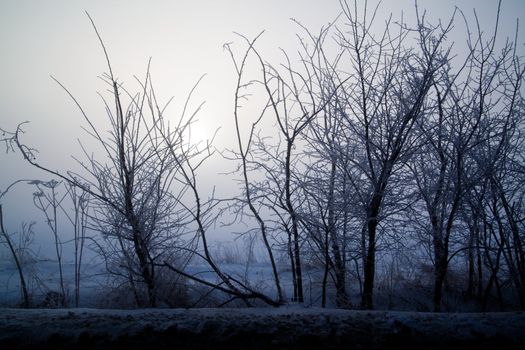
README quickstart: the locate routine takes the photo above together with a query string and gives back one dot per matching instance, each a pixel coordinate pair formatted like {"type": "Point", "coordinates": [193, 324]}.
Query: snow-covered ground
{"type": "Point", "coordinates": [43, 276]}
{"type": "Point", "coordinates": [287, 327]}
{"type": "Point", "coordinates": [95, 284]}
{"type": "Point", "coordinates": [99, 290]}
{"type": "Point", "coordinates": [257, 328]}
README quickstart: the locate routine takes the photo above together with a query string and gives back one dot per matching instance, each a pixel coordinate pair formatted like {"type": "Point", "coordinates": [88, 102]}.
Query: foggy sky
{"type": "Point", "coordinates": [184, 39]}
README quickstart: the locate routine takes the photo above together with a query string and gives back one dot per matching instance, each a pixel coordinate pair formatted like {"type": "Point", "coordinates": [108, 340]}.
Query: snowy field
{"type": "Point", "coordinates": [255, 328]}
{"type": "Point", "coordinates": [288, 327]}
{"type": "Point", "coordinates": [98, 289]}
{"type": "Point", "coordinates": [96, 286]}
{"type": "Point", "coordinates": [43, 277]}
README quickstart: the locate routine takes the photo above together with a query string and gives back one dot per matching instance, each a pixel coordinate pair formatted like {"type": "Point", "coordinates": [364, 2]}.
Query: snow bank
{"type": "Point", "coordinates": [283, 328]}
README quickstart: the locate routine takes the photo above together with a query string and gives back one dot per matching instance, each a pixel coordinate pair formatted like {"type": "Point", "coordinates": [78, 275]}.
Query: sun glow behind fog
{"type": "Point", "coordinates": [200, 133]}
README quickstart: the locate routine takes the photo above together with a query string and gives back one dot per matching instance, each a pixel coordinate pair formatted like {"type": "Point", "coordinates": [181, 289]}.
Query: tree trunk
{"type": "Point", "coordinates": [440, 259]}
{"type": "Point", "coordinates": [479, 263]}
{"type": "Point", "coordinates": [339, 263]}
{"type": "Point", "coordinates": [25, 295]}
{"type": "Point", "coordinates": [298, 270]}
{"type": "Point", "coordinates": [326, 270]}
{"type": "Point", "coordinates": [473, 234]}
{"type": "Point", "coordinates": [369, 268]}
{"type": "Point", "coordinates": [440, 273]}
{"type": "Point", "coordinates": [471, 274]}
{"type": "Point", "coordinates": [147, 274]}
{"type": "Point", "coordinates": [292, 265]}
{"type": "Point", "coordinates": [342, 299]}
{"type": "Point", "coordinates": [372, 221]}
{"type": "Point", "coordinates": [293, 217]}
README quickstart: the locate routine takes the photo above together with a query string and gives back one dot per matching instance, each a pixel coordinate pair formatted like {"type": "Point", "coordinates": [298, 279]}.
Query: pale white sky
{"type": "Point", "coordinates": [184, 38]}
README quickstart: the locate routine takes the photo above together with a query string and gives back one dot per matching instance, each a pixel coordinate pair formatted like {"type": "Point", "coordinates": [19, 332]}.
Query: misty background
{"type": "Point", "coordinates": [185, 40]}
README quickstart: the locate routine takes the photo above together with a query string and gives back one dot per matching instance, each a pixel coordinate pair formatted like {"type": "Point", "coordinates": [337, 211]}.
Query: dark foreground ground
{"type": "Point", "coordinates": [284, 328]}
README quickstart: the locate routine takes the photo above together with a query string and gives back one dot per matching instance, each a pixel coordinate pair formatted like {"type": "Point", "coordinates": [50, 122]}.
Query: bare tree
{"type": "Point", "coordinates": [243, 154]}
{"type": "Point", "coordinates": [79, 220]}
{"type": "Point", "coordinates": [18, 251]}
{"type": "Point", "coordinates": [325, 212]}
{"type": "Point", "coordinates": [382, 102]}
{"type": "Point", "coordinates": [5, 238]}
{"type": "Point", "coordinates": [495, 197]}
{"type": "Point", "coordinates": [49, 201]}
{"type": "Point", "coordinates": [131, 191]}
{"type": "Point", "coordinates": [455, 133]}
